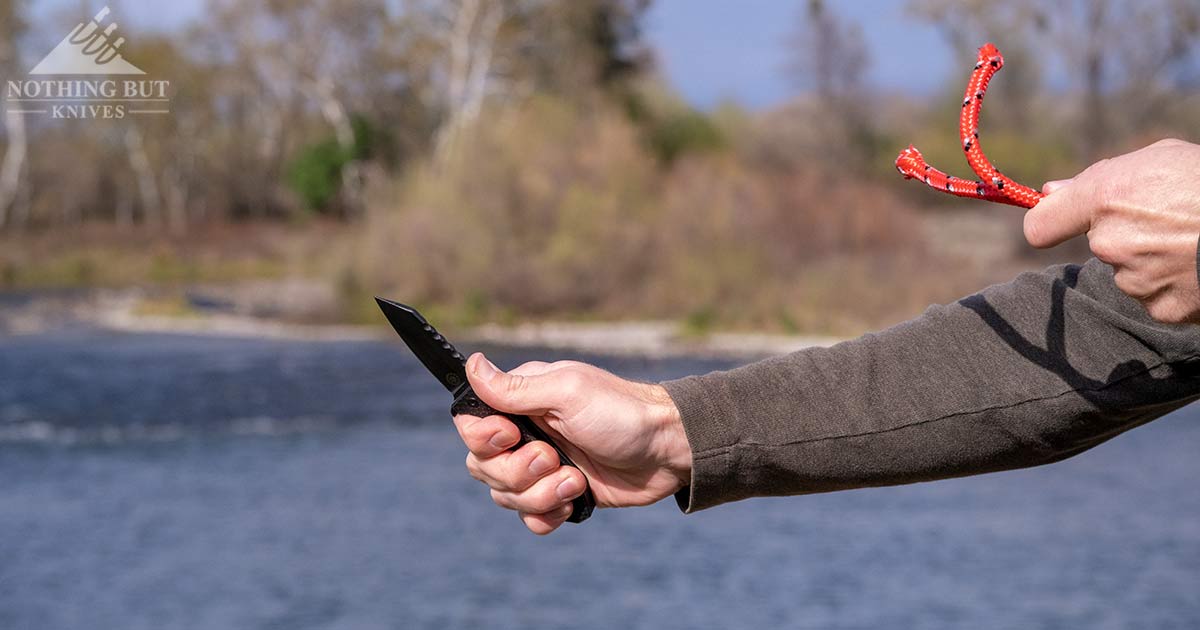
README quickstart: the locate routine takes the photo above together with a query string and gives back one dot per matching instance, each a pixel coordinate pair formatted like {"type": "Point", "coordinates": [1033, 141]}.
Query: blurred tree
{"type": "Point", "coordinates": [469, 37]}
{"type": "Point", "coordinates": [578, 46]}
{"type": "Point", "coordinates": [316, 174]}
{"type": "Point", "coordinates": [1014, 27]}
{"type": "Point", "coordinates": [471, 50]}
{"type": "Point", "coordinates": [830, 58]}
{"type": "Point", "coordinates": [1124, 56]}
{"type": "Point", "coordinates": [325, 45]}
{"type": "Point", "coordinates": [261, 89]}
{"type": "Point", "coordinates": [284, 60]}
{"type": "Point", "coordinates": [12, 26]}
{"type": "Point", "coordinates": [1131, 57]}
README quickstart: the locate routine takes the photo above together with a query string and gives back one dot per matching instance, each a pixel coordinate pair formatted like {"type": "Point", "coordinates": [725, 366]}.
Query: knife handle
{"type": "Point", "coordinates": [467, 403]}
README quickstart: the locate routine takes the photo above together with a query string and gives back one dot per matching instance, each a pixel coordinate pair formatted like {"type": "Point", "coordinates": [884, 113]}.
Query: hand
{"type": "Point", "coordinates": [626, 437]}
{"type": "Point", "coordinates": [1141, 214]}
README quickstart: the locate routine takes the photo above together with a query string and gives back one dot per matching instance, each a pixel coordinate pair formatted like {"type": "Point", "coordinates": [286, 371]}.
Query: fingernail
{"type": "Point", "coordinates": [540, 465]}
{"type": "Point", "coordinates": [485, 370]}
{"type": "Point", "coordinates": [569, 488]}
{"type": "Point", "coordinates": [500, 440]}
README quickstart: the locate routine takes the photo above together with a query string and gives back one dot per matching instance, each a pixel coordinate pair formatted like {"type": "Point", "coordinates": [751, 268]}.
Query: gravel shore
{"type": "Point", "coordinates": [122, 310]}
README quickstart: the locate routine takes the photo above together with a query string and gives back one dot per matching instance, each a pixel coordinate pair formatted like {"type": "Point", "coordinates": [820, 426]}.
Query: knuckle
{"type": "Point", "coordinates": [1105, 248]}
{"type": "Point", "coordinates": [530, 367]}
{"type": "Point", "coordinates": [572, 380]}
{"type": "Point", "coordinates": [1093, 173]}
{"type": "Point", "coordinates": [493, 472]}
{"type": "Point", "coordinates": [1131, 284]}
{"type": "Point", "coordinates": [499, 473]}
{"type": "Point", "coordinates": [473, 430]}
{"type": "Point", "coordinates": [538, 524]}
{"type": "Point", "coordinates": [1164, 310]}
{"type": "Point", "coordinates": [517, 475]}
{"type": "Point", "coordinates": [472, 464]}
{"type": "Point", "coordinates": [541, 498]}
{"type": "Point", "coordinates": [571, 365]}
{"type": "Point", "coordinates": [503, 499]}
{"type": "Point", "coordinates": [516, 384]}
{"type": "Point", "coordinates": [1123, 284]}
{"type": "Point", "coordinates": [534, 524]}
{"type": "Point", "coordinates": [1099, 165]}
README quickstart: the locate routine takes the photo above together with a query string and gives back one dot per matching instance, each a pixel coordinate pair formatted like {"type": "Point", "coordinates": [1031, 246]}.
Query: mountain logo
{"type": "Point", "coordinates": [91, 48]}
{"type": "Point", "coordinates": [85, 77]}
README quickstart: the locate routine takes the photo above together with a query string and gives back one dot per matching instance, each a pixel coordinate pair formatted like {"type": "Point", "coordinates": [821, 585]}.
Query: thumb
{"type": "Point", "coordinates": [513, 393]}
{"type": "Point", "coordinates": [1065, 212]}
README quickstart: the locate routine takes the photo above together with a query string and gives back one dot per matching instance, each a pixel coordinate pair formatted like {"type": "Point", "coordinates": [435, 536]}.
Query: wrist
{"type": "Point", "coordinates": [674, 451]}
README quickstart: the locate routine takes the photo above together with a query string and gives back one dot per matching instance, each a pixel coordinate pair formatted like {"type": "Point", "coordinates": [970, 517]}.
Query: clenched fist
{"type": "Point", "coordinates": [626, 437]}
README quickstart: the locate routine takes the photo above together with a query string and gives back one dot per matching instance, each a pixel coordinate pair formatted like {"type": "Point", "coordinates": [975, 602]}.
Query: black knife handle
{"type": "Point", "coordinates": [467, 403]}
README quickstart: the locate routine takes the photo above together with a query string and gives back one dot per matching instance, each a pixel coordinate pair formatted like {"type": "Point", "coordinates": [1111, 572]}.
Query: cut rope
{"type": "Point", "coordinates": [992, 184]}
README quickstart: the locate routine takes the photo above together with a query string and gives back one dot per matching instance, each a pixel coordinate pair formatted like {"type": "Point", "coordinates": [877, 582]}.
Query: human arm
{"type": "Point", "coordinates": [1024, 373]}
{"type": "Point", "coordinates": [1021, 374]}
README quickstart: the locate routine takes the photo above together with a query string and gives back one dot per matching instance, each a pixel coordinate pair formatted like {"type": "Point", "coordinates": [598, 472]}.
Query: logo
{"type": "Point", "coordinates": [90, 49]}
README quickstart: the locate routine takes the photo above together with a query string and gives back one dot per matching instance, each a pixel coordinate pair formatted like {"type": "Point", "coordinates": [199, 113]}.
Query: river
{"type": "Point", "coordinates": [171, 481]}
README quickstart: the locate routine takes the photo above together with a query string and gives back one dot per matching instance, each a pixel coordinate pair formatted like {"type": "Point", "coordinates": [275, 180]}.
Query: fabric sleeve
{"type": "Point", "coordinates": [1024, 373]}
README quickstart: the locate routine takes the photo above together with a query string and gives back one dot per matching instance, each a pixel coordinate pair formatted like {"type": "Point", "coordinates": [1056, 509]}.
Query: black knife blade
{"type": "Point", "coordinates": [440, 357]}
{"type": "Point", "coordinates": [437, 354]}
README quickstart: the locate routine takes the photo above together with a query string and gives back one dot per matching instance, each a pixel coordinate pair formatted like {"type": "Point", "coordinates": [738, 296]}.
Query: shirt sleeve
{"type": "Point", "coordinates": [1024, 373]}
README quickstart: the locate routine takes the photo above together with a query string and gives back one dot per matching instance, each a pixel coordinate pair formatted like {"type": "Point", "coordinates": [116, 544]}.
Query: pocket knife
{"type": "Point", "coordinates": [449, 367]}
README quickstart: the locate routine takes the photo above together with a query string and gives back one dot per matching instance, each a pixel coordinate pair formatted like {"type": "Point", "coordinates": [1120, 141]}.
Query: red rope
{"type": "Point", "coordinates": [992, 185]}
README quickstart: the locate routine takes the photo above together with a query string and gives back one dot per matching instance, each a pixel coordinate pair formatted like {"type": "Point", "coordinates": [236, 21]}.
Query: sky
{"type": "Point", "coordinates": [712, 50]}
{"type": "Point", "coordinates": [709, 50]}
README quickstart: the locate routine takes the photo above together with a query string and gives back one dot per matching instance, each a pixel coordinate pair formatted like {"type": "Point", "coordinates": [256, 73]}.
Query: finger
{"type": "Point", "coordinates": [495, 434]}
{"type": "Point", "coordinates": [546, 495]}
{"type": "Point", "coordinates": [1059, 216]}
{"type": "Point", "coordinates": [542, 524]}
{"type": "Point", "coordinates": [534, 394]}
{"type": "Point", "coordinates": [1051, 186]}
{"type": "Point", "coordinates": [487, 437]}
{"type": "Point", "coordinates": [515, 471]}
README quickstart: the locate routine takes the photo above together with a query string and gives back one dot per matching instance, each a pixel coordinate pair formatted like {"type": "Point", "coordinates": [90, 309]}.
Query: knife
{"type": "Point", "coordinates": [449, 367]}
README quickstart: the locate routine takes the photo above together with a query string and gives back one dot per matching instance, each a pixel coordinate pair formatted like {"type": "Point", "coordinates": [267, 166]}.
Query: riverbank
{"type": "Point", "coordinates": [288, 310]}
{"type": "Point", "coordinates": [298, 281]}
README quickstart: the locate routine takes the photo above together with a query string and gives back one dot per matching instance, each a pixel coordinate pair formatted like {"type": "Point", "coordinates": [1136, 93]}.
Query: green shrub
{"type": "Point", "coordinates": [315, 174]}
{"type": "Point", "coordinates": [684, 132]}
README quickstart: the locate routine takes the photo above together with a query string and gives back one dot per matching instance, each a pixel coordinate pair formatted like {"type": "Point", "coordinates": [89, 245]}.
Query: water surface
{"type": "Point", "coordinates": [182, 482]}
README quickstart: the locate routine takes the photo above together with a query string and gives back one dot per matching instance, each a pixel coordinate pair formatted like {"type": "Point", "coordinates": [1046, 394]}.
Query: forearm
{"type": "Point", "coordinates": [1021, 374]}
